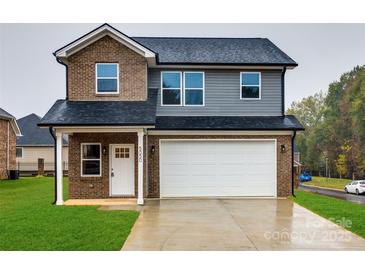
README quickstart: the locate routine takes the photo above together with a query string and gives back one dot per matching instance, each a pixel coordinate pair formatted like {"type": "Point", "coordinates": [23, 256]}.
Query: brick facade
{"type": "Point", "coordinates": [95, 187]}
{"type": "Point", "coordinates": [98, 187]}
{"type": "Point", "coordinates": [4, 125]}
{"type": "Point", "coordinates": [284, 168]}
{"type": "Point", "coordinates": [132, 72]}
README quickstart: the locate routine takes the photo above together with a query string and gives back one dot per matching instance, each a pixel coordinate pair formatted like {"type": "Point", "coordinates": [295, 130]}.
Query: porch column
{"type": "Point", "coordinates": [140, 200]}
{"type": "Point", "coordinates": [59, 200]}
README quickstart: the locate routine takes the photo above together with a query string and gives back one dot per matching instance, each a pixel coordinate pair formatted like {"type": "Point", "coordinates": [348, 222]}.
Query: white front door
{"type": "Point", "coordinates": [122, 170]}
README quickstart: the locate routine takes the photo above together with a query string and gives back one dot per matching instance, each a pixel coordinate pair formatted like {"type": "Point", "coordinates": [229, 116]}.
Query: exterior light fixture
{"type": "Point", "coordinates": [153, 150]}
{"type": "Point", "coordinates": [282, 148]}
{"type": "Point", "coordinates": [104, 150]}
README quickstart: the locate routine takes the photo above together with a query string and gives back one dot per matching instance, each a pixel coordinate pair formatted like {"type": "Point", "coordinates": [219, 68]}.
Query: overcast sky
{"type": "Point", "coordinates": [31, 80]}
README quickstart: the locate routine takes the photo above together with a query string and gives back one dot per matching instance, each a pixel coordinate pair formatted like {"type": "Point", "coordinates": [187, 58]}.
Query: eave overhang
{"type": "Point", "coordinates": [98, 33]}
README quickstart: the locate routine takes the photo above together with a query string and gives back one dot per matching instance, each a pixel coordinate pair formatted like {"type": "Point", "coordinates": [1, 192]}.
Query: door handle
{"type": "Point", "coordinates": [112, 173]}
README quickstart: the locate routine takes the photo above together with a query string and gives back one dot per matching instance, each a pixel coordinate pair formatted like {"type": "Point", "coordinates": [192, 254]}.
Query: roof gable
{"type": "Point", "coordinates": [99, 33]}
{"type": "Point", "coordinates": [32, 135]}
{"type": "Point", "coordinates": [7, 116]}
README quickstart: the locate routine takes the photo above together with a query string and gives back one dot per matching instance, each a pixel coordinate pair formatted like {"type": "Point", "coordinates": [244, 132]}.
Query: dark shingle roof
{"type": "Point", "coordinates": [32, 135]}
{"type": "Point", "coordinates": [242, 51]}
{"type": "Point", "coordinates": [5, 114]}
{"type": "Point", "coordinates": [288, 122]}
{"type": "Point", "coordinates": [104, 113]}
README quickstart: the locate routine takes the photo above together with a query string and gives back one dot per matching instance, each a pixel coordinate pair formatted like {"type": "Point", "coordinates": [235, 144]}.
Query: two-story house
{"type": "Point", "coordinates": [156, 117]}
{"type": "Point", "coordinates": [9, 131]}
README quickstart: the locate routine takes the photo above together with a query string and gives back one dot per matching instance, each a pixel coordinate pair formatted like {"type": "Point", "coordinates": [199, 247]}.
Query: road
{"type": "Point", "coordinates": [360, 199]}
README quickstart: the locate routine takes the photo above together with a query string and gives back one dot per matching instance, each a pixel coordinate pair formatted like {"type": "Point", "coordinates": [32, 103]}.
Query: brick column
{"type": "Point", "coordinates": [40, 167]}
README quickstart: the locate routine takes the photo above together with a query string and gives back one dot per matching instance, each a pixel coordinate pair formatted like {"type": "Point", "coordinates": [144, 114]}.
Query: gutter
{"type": "Point", "coordinates": [283, 91]}
{"type": "Point", "coordinates": [292, 163]}
{"type": "Point", "coordinates": [55, 164]}
{"type": "Point", "coordinates": [62, 63]}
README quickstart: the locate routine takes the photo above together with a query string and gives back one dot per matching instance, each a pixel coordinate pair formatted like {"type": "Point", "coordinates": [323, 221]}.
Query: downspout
{"type": "Point", "coordinates": [283, 91]}
{"type": "Point", "coordinates": [62, 63]}
{"type": "Point", "coordinates": [8, 151]}
{"type": "Point", "coordinates": [146, 167]}
{"type": "Point", "coordinates": [292, 163]}
{"type": "Point", "coordinates": [55, 164]}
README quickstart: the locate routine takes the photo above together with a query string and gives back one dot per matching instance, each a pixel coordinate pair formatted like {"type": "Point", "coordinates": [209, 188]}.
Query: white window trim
{"type": "Point", "coordinates": [162, 88]}
{"type": "Point", "coordinates": [22, 152]}
{"type": "Point", "coordinates": [250, 72]}
{"type": "Point", "coordinates": [96, 79]}
{"type": "Point", "coordinates": [81, 159]}
{"type": "Point", "coordinates": [203, 89]}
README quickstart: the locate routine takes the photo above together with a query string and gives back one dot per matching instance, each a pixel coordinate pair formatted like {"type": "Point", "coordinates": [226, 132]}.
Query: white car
{"type": "Point", "coordinates": [357, 187]}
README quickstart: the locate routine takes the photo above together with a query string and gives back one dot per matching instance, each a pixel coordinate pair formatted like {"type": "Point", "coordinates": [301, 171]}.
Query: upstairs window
{"type": "Point", "coordinates": [107, 78]}
{"type": "Point", "coordinates": [171, 88]}
{"type": "Point", "coordinates": [90, 160]}
{"type": "Point", "coordinates": [194, 88]}
{"type": "Point", "coordinates": [250, 85]}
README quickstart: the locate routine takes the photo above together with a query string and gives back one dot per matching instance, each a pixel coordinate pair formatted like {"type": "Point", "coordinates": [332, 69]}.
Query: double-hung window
{"type": "Point", "coordinates": [250, 85]}
{"type": "Point", "coordinates": [107, 78]}
{"type": "Point", "coordinates": [171, 88]}
{"type": "Point", "coordinates": [193, 88]}
{"type": "Point", "coordinates": [90, 159]}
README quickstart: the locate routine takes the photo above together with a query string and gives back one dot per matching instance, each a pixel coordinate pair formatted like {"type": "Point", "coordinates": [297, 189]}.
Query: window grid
{"type": "Point", "coordinates": [122, 152]}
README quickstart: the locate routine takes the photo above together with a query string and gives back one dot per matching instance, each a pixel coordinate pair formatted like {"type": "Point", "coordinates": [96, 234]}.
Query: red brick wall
{"type": "Point", "coordinates": [95, 187]}
{"type": "Point", "coordinates": [4, 148]}
{"type": "Point", "coordinates": [284, 167]}
{"type": "Point", "coordinates": [132, 72]}
{"type": "Point", "coordinates": [98, 187]}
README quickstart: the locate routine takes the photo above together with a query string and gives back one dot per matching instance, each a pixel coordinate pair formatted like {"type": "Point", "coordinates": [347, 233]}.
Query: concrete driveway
{"type": "Point", "coordinates": [235, 224]}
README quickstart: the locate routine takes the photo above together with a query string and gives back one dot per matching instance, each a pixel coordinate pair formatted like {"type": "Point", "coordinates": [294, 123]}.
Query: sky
{"type": "Point", "coordinates": [31, 80]}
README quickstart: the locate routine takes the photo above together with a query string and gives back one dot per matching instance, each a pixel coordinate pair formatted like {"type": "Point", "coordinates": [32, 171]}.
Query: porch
{"type": "Point", "coordinates": [106, 165]}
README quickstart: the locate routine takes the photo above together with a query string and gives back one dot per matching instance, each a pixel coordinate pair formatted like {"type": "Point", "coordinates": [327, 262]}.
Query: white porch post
{"type": "Point", "coordinates": [59, 200]}
{"type": "Point", "coordinates": [140, 200]}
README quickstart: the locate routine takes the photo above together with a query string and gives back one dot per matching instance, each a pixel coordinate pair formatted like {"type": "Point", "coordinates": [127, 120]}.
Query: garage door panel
{"type": "Point", "coordinates": [218, 168]}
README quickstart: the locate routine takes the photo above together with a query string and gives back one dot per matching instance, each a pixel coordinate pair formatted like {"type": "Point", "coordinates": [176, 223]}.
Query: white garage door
{"type": "Point", "coordinates": [218, 168]}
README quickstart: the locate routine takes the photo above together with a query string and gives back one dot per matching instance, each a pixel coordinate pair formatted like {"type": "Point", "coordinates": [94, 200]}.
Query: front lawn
{"type": "Point", "coordinates": [28, 221]}
{"type": "Point", "coordinates": [328, 182]}
{"type": "Point", "coordinates": [334, 209]}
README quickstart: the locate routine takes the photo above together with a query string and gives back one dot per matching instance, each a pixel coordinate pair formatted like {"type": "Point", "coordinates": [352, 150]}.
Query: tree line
{"type": "Point", "coordinates": [335, 127]}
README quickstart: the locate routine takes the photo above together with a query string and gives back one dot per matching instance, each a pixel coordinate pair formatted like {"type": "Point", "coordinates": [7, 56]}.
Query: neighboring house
{"type": "Point", "coordinates": [36, 143]}
{"type": "Point", "coordinates": [8, 132]}
{"type": "Point", "coordinates": [174, 117]}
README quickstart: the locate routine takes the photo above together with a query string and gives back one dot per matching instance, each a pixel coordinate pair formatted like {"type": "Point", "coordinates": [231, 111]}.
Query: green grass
{"type": "Point", "coordinates": [28, 221]}
{"type": "Point", "coordinates": [328, 182]}
{"type": "Point", "coordinates": [334, 209]}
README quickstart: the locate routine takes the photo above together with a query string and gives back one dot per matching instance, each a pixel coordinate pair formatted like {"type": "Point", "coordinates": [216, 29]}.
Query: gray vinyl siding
{"type": "Point", "coordinates": [222, 95]}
